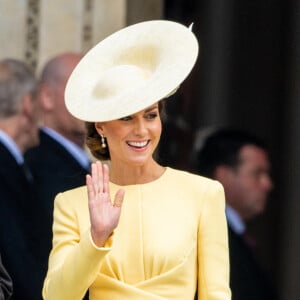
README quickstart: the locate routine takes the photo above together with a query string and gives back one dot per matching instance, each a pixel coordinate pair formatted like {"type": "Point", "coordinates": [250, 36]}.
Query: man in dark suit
{"type": "Point", "coordinates": [6, 286]}
{"type": "Point", "coordinates": [60, 161]}
{"type": "Point", "coordinates": [20, 235]}
{"type": "Point", "coordinates": [241, 163]}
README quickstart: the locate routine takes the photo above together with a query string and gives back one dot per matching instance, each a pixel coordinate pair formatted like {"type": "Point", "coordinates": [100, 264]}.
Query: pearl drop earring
{"type": "Point", "coordinates": [103, 144]}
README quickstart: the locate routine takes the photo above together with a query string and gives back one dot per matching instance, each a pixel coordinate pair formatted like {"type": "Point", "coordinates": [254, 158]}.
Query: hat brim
{"type": "Point", "coordinates": [105, 85]}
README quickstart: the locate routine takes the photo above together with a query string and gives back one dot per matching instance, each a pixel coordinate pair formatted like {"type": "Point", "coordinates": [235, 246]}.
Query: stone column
{"type": "Point", "coordinates": [142, 10]}
{"type": "Point", "coordinates": [12, 29]}
{"type": "Point", "coordinates": [36, 30]}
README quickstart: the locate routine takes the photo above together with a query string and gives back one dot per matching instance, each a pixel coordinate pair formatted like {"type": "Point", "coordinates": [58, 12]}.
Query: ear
{"type": "Point", "coordinates": [46, 98]}
{"type": "Point", "coordinates": [99, 127]}
{"type": "Point", "coordinates": [27, 106]}
{"type": "Point", "coordinates": [223, 174]}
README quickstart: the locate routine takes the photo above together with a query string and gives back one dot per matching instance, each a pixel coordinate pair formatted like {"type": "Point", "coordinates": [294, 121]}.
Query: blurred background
{"type": "Point", "coordinates": [247, 77]}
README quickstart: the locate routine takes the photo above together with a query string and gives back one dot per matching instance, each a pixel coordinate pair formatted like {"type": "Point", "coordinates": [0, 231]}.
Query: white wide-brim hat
{"type": "Point", "coordinates": [130, 70]}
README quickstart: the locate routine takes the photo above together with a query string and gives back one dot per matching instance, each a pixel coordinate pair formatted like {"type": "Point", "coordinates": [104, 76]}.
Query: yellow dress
{"type": "Point", "coordinates": [170, 241]}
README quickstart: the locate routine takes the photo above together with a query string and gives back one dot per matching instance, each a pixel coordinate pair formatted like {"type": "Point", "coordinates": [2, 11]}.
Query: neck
{"type": "Point", "coordinates": [129, 175]}
{"type": "Point", "coordinates": [78, 138]}
{"type": "Point", "coordinates": [11, 127]}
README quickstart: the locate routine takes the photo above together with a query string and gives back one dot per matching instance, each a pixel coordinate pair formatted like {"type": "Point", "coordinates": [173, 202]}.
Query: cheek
{"type": "Point", "coordinates": [243, 189]}
{"type": "Point", "coordinates": [251, 193]}
{"type": "Point", "coordinates": [116, 137]}
{"type": "Point", "coordinates": [76, 124]}
{"type": "Point", "coordinates": [36, 117]}
{"type": "Point", "coordinates": [157, 128]}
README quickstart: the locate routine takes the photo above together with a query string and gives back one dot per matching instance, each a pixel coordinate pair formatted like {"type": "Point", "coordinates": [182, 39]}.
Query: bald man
{"type": "Point", "coordinates": [60, 161]}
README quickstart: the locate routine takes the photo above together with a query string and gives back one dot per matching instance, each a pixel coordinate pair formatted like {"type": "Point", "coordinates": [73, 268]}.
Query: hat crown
{"type": "Point", "coordinates": [118, 80]}
{"type": "Point", "coordinates": [145, 56]}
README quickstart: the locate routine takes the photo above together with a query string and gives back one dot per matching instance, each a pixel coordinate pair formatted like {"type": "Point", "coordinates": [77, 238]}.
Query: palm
{"type": "Point", "coordinates": [104, 214]}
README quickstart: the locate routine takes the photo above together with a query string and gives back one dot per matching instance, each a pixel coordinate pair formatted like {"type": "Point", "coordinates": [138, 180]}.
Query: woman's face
{"type": "Point", "coordinates": [133, 139]}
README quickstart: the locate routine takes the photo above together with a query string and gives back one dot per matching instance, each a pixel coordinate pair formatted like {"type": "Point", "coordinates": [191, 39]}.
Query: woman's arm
{"type": "Point", "coordinates": [213, 254]}
{"type": "Point", "coordinates": [76, 257]}
{"type": "Point", "coordinates": [74, 260]}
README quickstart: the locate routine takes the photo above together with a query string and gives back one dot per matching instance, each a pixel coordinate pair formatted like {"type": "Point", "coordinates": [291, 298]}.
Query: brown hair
{"type": "Point", "coordinates": [93, 139]}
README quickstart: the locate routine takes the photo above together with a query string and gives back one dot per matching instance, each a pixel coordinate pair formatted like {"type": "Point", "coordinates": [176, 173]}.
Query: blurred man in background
{"type": "Point", "coordinates": [6, 286]}
{"type": "Point", "coordinates": [20, 234]}
{"type": "Point", "coordinates": [241, 163]}
{"type": "Point", "coordinates": [60, 161]}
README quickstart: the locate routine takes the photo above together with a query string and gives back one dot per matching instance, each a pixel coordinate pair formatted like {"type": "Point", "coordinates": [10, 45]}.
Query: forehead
{"type": "Point", "coordinates": [147, 109]}
{"type": "Point", "coordinates": [251, 154]}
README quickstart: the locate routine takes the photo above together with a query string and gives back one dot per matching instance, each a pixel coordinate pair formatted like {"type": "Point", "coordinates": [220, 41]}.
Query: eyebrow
{"type": "Point", "coordinates": [151, 108]}
{"type": "Point", "coordinates": [146, 110]}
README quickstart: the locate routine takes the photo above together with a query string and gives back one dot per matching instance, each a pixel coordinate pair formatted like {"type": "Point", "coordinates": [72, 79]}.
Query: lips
{"type": "Point", "coordinates": [138, 145]}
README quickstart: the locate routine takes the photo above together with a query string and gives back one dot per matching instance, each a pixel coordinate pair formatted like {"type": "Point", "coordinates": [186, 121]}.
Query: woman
{"type": "Point", "coordinates": [137, 230]}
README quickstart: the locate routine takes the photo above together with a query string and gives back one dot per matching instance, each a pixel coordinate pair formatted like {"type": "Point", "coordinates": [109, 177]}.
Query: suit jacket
{"type": "Point", "coordinates": [5, 283]}
{"type": "Point", "coordinates": [20, 234]}
{"type": "Point", "coordinates": [248, 280]}
{"type": "Point", "coordinates": [54, 170]}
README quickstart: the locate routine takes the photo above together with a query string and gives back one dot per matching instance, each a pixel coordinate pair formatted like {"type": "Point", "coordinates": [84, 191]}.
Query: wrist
{"type": "Point", "coordinates": [100, 239]}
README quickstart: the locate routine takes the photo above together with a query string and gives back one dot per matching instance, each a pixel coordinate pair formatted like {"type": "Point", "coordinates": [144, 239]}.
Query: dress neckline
{"type": "Point", "coordinates": [167, 169]}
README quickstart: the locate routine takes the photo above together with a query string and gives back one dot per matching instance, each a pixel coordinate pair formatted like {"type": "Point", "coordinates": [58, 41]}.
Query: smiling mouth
{"type": "Point", "coordinates": [138, 145]}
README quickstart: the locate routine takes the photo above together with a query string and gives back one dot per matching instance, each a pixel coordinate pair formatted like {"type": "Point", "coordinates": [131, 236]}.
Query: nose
{"type": "Point", "coordinates": [140, 128]}
{"type": "Point", "coordinates": [267, 182]}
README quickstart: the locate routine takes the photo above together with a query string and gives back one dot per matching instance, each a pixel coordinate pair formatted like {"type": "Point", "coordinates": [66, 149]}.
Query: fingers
{"type": "Point", "coordinates": [95, 177]}
{"type": "Point", "coordinates": [105, 170]}
{"type": "Point", "coordinates": [100, 177]}
{"type": "Point", "coordinates": [98, 184]}
{"type": "Point", "coordinates": [119, 198]}
{"type": "Point", "coordinates": [90, 187]}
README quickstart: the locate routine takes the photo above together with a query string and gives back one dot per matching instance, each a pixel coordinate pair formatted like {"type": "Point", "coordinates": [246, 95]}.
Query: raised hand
{"type": "Point", "coordinates": [104, 214]}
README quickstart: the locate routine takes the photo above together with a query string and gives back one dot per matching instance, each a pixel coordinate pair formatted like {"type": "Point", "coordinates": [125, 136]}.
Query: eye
{"type": "Point", "coordinates": [257, 174]}
{"type": "Point", "coordinates": [128, 118]}
{"type": "Point", "coordinates": [151, 115]}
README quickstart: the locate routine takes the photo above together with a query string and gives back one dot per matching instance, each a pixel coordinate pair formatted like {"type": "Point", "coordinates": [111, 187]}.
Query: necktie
{"type": "Point", "coordinates": [249, 240]}
{"type": "Point", "coordinates": [27, 172]}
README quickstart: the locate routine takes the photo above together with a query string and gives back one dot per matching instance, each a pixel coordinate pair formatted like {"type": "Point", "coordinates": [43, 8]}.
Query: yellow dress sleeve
{"type": "Point", "coordinates": [213, 255]}
{"type": "Point", "coordinates": [74, 260]}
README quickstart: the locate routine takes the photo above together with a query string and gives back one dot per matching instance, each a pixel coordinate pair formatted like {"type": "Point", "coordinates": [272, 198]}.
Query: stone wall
{"type": "Point", "coordinates": [36, 30]}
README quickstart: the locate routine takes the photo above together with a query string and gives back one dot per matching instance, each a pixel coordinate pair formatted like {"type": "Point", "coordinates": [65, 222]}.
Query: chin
{"type": "Point", "coordinates": [139, 161]}
{"type": "Point", "coordinates": [34, 141]}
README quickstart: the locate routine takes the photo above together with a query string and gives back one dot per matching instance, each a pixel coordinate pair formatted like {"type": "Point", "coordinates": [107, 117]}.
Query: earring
{"type": "Point", "coordinates": [103, 144]}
